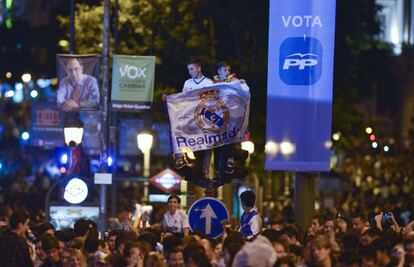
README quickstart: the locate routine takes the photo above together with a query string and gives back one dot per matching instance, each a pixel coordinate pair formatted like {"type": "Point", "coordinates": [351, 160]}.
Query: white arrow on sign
{"type": "Point", "coordinates": [208, 214]}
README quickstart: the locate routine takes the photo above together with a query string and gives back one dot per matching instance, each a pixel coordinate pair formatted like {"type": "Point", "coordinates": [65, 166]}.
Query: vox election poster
{"type": "Point", "coordinates": [300, 77]}
{"type": "Point", "coordinates": [132, 83]}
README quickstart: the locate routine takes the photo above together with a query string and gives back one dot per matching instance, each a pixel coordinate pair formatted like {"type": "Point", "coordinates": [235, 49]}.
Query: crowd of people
{"type": "Point", "coordinates": [352, 240]}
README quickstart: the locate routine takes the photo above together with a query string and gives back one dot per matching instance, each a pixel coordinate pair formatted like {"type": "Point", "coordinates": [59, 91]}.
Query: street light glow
{"type": "Point", "coordinates": [248, 146]}
{"type": "Point", "coordinates": [287, 148]}
{"type": "Point", "coordinates": [25, 136]}
{"type": "Point", "coordinates": [368, 130]}
{"type": "Point", "coordinates": [73, 134]}
{"type": "Point", "coordinates": [110, 161]}
{"type": "Point", "coordinates": [372, 137]}
{"type": "Point", "coordinates": [374, 144]}
{"type": "Point", "coordinates": [386, 148]}
{"type": "Point", "coordinates": [8, 75]}
{"type": "Point", "coordinates": [271, 148]}
{"type": "Point", "coordinates": [26, 77]}
{"type": "Point", "coordinates": [63, 43]}
{"type": "Point", "coordinates": [144, 141]}
{"type": "Point", "coordinates": [18, 86]}
{"type": "Point", "coordinates": [9, 94]}
{"type": "Point", "coordinates": [336, 136]}
{"type": "Point", "coordinates": [34, 93]}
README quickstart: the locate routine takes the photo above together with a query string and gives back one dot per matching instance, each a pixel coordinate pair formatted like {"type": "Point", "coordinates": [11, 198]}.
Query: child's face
{"type": "Point", "coordinates": [173, 205]}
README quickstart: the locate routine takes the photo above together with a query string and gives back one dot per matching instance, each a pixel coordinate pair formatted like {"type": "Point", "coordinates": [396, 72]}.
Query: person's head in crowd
{"type": "Point", "coordinates": [150, 238]}
{"type": "Point", "coordinates": [103, 247]}
{"type": "Point", "coordinates": [137, 252]}
{"type": "Point", "coordinates": [171, 242]}
{"type": "Point", "coordinates": [367, 254]}
{"type": "Point", "coordinates": [65, 235]}
{"type": "Point", "coordinates": [166, 234]}
{"type": "Point", "coordinates": [174, 202]}
{"type": "Point", "coordinates": [195, 256]}
{"type": "Point", "coordinates": [359, 222]}
{"type": "Point", "coordinates": [81, 227]}
{"type": "Point", "coordinates": [349, 241]}
{"type": "Point", "coordinates": [155, 259]}
{"type": "Point", "coordinates": [76, 258]}
{"type": "Point", "coordinates": [90, 244]}
{"type": "Point", "coordinates": [279, 243]}
{"type": "Point", "coordinates": [382, 251]}
{"type": "Point", "coordinates": [51, 246]}
{"type": "Point", "coordinates": [116, 260]}
{"type": "Point", "coordinates": [350, 258]}
{"type": "Point", "coordinates": [321, 250]}
{"type": "Point", "coordinates": [329, 227]}
{"type": "Point", "coordinates": [218, 249]}
{"type": "Point", "coordinates": [296, 253]}
{"type": "Point", "coordinates": [223, 70]}
{"type": "Point", "coordinates": [111, 240]}
{"type": "Point", "coordinates": [194, 68]}
{"type": "Point", "coordinates": [278, 225]}
{"type": "Point", "coordinates": [316, 225]}
{"type": "Point", "coordinates": [207, 244]}
{"type": "Point", "coordinates": [409, 248]}
{"type": "Point", "coordinates": [19, 222]}
{"type": "Point", "coordinates": [281, 246]}
{"type": "Point", "coordinates": [175, 257]}
{"type": "Point", "coordinates": [285, 262]}
{"type": "Point", "coordinates": [196, 236]}
{"type": "Point", "coordinates": [122, 239]}
{"type": "Point", "coordinates": [47, 228]}
{"type": "Point", "coordinates": [248, 200]}
{"type": "Point", "coordinates": [64, 256]}
{"type": "Point", "coordinates": [3, 218]}
{"type": "Point", "coordinates": [231, 245]}
{"type": "Point", "coordinates": [369, 235]}
{"type": "Point", "coordinates": [291, 232]}
{"type": "Point", "coordinates": [40, 252]}
{"type": "Point", "coordinates": [156, 232]}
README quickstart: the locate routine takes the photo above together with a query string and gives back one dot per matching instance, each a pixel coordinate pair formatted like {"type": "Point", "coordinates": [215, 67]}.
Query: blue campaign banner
{"type": "Point", "coordinates": [299, 90]}
{"type": "Point", "coordinates": [47, 125]}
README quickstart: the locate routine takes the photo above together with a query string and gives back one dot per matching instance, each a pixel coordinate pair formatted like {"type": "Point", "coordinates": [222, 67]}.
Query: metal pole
{"type": "Point", "coordinates": [114, 152]}
{"type": "Point", "coordinates": [104, 115]}
{"type": "Point", "coordinates": [304, 198]}
{"type": "Point", "coordinates": [147, 158]}
{"type": "Point", "coordinates": [116, 22]}
{"type": "Point", "coordinates": [72, 27]}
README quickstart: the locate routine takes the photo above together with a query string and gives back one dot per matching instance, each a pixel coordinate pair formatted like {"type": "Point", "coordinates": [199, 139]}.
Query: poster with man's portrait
{"type": "Point", "coordinates": [78, 82]}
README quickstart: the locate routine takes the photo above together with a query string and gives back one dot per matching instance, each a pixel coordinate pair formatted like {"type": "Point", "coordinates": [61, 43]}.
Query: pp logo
{"type": "Point", "coordinates": [300, 61]}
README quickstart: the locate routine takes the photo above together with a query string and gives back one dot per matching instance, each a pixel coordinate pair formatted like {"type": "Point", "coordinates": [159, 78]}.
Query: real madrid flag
{"type": "Point", "coordinates": [209, 117]}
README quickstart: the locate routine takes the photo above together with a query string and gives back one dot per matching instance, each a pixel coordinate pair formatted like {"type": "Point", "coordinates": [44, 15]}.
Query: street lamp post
{"type": "Point", "coordinates": [72, 133]}
{"type": "Point", "coordinates": [144, 141]}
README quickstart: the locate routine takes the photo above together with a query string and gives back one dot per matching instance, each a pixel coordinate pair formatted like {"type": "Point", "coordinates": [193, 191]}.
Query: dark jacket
{"type": "Point", "coordinates": [14, 250]}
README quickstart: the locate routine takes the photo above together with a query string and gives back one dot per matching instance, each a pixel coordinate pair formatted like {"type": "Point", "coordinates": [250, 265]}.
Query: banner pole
{"type": "Point", "coordinates": [104, 116]}
{"type": "Point", "coordinates": [72, 26]}
{"type": "Point", "coordinates": [304, 198]}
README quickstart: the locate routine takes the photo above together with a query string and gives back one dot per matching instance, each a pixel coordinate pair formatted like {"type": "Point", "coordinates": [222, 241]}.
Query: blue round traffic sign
{"type": "Point", "coordinates": [206, 216]}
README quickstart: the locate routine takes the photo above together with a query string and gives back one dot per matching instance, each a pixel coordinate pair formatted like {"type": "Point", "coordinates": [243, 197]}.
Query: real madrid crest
{"type": "Point", "coordinates": [211, 114]}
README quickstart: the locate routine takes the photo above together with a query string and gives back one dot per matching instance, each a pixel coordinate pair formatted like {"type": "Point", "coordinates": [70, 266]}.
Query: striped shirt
{"type": "Point", "coordinates": [250, 223]}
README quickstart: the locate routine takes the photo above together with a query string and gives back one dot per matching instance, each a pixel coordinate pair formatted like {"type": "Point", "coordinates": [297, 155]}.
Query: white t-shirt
{"type": "Point", "coordinates": [175, 222]}
{"type": "Point", "coordinates": [192, 84]}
